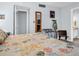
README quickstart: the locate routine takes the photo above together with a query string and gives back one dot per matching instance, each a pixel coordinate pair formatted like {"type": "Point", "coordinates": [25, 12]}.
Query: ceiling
{"type": "Point", "coordinates": [53, 4]}
{"type": "Point", "coordinates": [59, 4]}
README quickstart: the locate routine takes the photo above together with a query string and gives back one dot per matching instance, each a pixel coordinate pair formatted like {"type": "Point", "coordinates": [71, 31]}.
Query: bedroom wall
{"type": "Point", "coordinates": [46, 20]}
{"type": "Point", "coordinates": [7, 23]}
{"type": "Point", "coordinates": [63, 17]}
{"type": "Point", "coordinates": [66, 16]}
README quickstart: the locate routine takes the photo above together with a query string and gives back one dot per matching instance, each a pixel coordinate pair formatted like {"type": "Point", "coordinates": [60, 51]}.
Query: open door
{"type": "Point", "coordinates": [38, 21]}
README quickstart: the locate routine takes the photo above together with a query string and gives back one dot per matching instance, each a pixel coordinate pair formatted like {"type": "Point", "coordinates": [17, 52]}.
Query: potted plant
{"type": "Point", "coordinates": [54, 25]}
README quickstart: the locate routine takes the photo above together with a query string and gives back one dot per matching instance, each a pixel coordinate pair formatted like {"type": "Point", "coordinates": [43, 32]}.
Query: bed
{"type": "Point", "coordinates": [33, 45]}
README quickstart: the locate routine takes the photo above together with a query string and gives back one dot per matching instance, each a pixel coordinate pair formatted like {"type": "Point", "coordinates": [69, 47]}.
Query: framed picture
{"type": "Point", "coordinates": [52, 14]}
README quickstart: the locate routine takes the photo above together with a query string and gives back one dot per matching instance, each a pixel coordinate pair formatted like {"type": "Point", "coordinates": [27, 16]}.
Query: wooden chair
{"type": "Point", "coordinates": [62, 33]}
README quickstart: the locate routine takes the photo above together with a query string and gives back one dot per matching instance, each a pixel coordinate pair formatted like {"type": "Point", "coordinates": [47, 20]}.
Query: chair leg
{"type": "Point", "coordinates": [66, 38]}
{"type": "Point", "coordinates": [51, 34]}
{"type": "Point", "coordinates": [59, 37]}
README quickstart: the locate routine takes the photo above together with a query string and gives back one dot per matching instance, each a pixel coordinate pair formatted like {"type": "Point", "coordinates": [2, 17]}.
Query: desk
{"type": "Point", "coordinates": [50, 33]}
{"type": "Point", "coordinates": [58, 33]}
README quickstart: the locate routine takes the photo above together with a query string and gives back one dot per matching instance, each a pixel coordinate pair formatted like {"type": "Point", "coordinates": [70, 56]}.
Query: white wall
{"type": "Point", "coordinates": [66, 19]}
{"type": "Point", "coordinates": [7, 23]}
{"type": "Point", "coordinates": [33, 7]}
{"type": "Point", "coordinates": [63, 16]}
{"type": "Point", "coordinates": [46, 20]}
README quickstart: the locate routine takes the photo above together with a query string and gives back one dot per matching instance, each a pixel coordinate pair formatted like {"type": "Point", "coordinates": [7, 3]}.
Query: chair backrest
{"type": "Point", "coordinates": [47, 30]}
{"type": "Point", "coordinates": [62, 32]}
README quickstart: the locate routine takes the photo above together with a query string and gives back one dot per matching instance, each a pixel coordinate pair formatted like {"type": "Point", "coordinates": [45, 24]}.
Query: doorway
{"type": "Point", "coordinates": [38, 21]}
{"type": "Point", "coordinates": [21, 22]}
{"type": "Point", "coordinates": [75, 24]}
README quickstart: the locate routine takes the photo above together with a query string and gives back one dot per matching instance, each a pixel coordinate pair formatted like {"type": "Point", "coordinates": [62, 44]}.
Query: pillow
{"type": "Point", "coordinates": [1, 40]}
{"type": "Point", "coordinates": [3, 35]}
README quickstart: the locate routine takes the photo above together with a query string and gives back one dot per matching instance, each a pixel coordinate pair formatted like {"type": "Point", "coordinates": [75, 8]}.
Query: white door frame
{"type": "Point", "coordinates": [72, 21]}
{"type": "Point", "coordinates": [26, 19]}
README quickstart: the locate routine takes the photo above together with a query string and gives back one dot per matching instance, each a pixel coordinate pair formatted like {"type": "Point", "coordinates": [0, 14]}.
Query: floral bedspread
{"type": "Point", "coordinates": [32, 45]}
